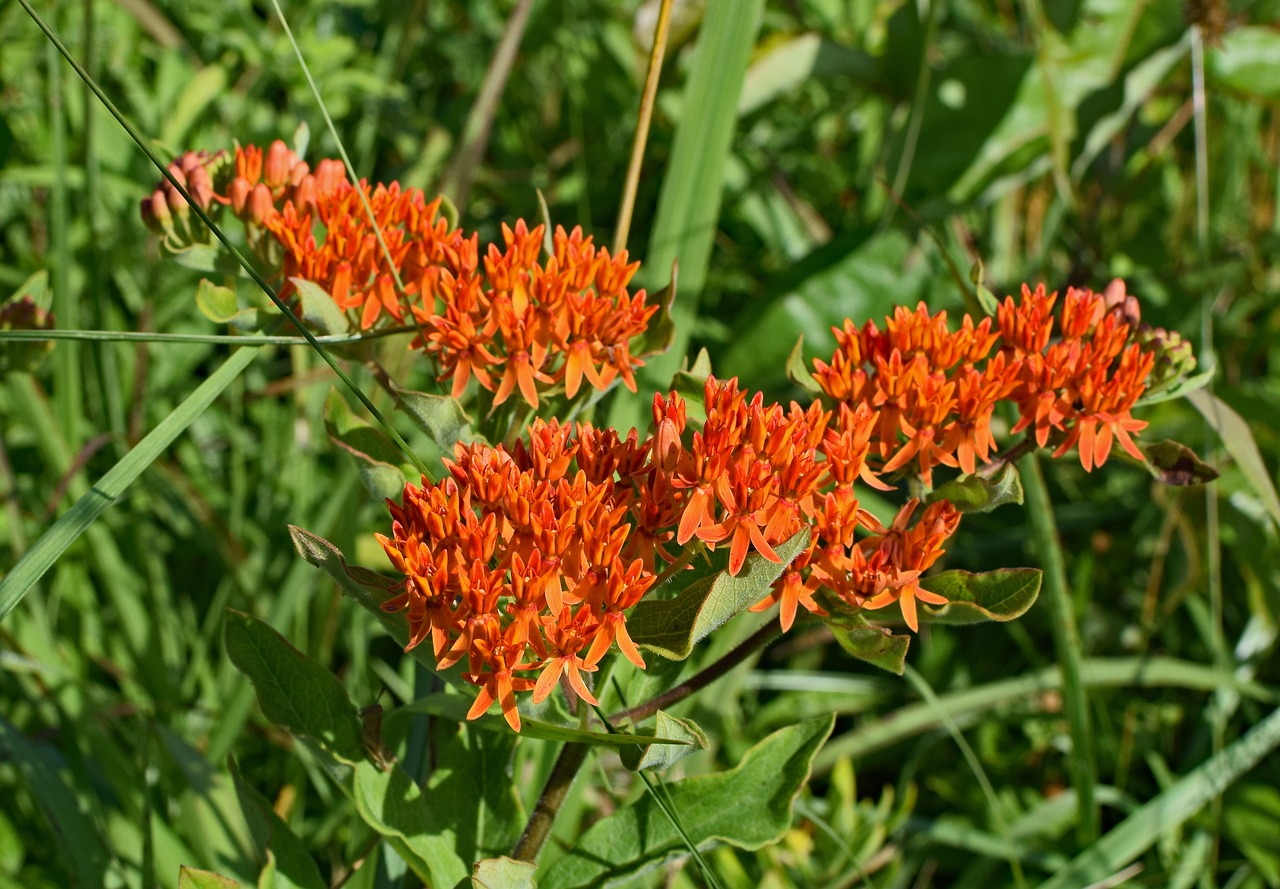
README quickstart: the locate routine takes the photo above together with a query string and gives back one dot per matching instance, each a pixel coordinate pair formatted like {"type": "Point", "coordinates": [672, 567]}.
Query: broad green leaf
{"type": "Point", "coordinates": [54, 542]}
{"type": "Point", "coordinates": [977, 493]}
{"type": "Point", "coordinates": [375, 457]}
{"type": "Point", "coordinates": [79, 846]}
{"type": "Point", "coordinates": [276, 845]}
{"type": "Point", "coordinates": [503, 873]}
{"type": "Point", "coordinates": [748, 806]}
{"type": "Point", "coordinates": [878, 646]}
{"type": "Point", "coordinates": [656, 757]}
{"type": "Point", "coordinates": [1170, 809]}
{"type": "Point", "coordinates": [1176, 464]}
{"type": "Point", "coordinates": [295, 692]}
{"type": "Point", "coordinates": [709, 598]}
{"type": "Point", "coordinates": [215, 302]}
{"type": "Point", "coordinates": [202, 257]}
{"type": "Point", "coordinates": [798, 369]}
{"type": "Point", "coordinates": [318, 309]}
{"type": "Point", "coordinates": [792, 62]}
{"type": "Point", "coordinates": [473, 791]}
{"type": "Point", "coordinates": [440, 416]}
{"type": "Point", "coordinates": [661, 332]}
{"type": "Point", "coordinates": [1001, 595]}
{"type": "Point", "coordinates": [1237, 438]}
{"type": "Point", "coordinates": [455, 707]}
{"type": "Point", "coordinates": [191, 878]}
{"type": "Point", "coordinates": [1246, 61]}
{"type": "Point", "coordinates": [393, 805]}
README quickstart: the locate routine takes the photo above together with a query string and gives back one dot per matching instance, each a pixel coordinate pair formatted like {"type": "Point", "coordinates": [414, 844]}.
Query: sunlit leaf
{"type": "Point", "coordinates": [503, 873]}
{"type": "Point", "coordinates": [686, 734]}
{"type": "Point", "coordinates": [977, 493]}
{"type": "Point", "coordinates": [1000, 595]}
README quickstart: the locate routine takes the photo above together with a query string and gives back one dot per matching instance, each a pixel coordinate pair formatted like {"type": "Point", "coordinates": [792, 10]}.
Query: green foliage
{"type": "Point", "coordinates": [874, 151]}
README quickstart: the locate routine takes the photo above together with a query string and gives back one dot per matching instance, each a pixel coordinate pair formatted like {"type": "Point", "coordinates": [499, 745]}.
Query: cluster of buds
{"type": "Point", "coordinates": [263, 181]}
{"type": "Point", "coordinates": [166, 212]}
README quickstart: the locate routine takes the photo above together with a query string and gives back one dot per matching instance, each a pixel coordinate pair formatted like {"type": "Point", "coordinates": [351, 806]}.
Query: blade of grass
{"type": "Point", "coordinates": [249, 268]}
{"type": "Point", "coordinates": [993, 803]}
{"type": "Point", "coordinates": [51, 545]}
{"type": "Point", "coordinates": [1172, 808]}
{"type": "Point", "coordinates": [966, 706]}
{"type": "Point", "coordinates": [1066, 640]}
{"type": "Point", "coordinates": [131, 336]}
{"type": "Point", "coordinates": [689, 204]}
{"type": "Point", "coordinates": [623, 228]}
{"type": "Point", "coordinates": [456, 182]}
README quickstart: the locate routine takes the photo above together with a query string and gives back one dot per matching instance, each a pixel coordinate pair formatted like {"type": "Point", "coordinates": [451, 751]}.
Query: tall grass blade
{"type": "Point", "coordinates": [64, 532]}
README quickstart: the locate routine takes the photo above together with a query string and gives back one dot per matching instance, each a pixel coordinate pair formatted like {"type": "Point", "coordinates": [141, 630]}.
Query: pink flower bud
{"type": "Point", "coordinates": [238, 194]}
{"type": "Point", "coordinates": [279, 162]}
{"type": "Point", "coordinates": [330, 175]}
{"type": "Point", "coordinates": [304, 195]}
{"type": "Point", "coordinates": [155, 213]}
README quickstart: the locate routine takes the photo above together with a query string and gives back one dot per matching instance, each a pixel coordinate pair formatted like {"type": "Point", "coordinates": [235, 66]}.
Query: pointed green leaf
{"type": "Point", "coordinates": [1170, 809]}
{"type": "Point", "coordinates": [1001, 595]}
{"type": "Point", "coordinates": [277, 846]}
{"type": "Point", "coordinates": [661, 332]}
{"type": "Point", "coordinates": [455, 707]}
{"type": "Point", "coordinates": [318, 308]}
{"type": "Point", "coordinates": [709, 598]}
{"type": "Point", "coordinates": [503, 873]}
{"type": "Point", "coordinates": [471, 786]}
{"type": "Point", "coordinates": [1176, 464]}
{"type": "Point", "coordinates": [191, 878]}
{"type": "Point", "coordinates": [798, 370]}
{"type": "Point", "coordinates": [748, 806]}
{"type": "Point", "coordinates": [217, 303]}
{"type": "Point", "coordinates": [440, 416]}
{"type": "Point", "coordinates": [293, 690]}
{"type": "Point", "coordinates": [977, 493]}
{"type": "Point", "coordinates": [656, 757]}
{"type": "Point", "coordinates": [1238, 439]}
{"type": "Point", "coordinates": [375, 457]}
{"type": "Point", "coordinates": [1176, 388]}
{"type": "Point", "coordinates": [986, 299]}
{"type": "Point", "coordinates": [878, 646]}
{"type": "Point", "coordinates": [690, 383]}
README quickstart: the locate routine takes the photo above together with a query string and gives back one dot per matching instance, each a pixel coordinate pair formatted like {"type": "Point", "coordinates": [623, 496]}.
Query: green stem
{"type": "Point", "coordinates": [1066, 640]}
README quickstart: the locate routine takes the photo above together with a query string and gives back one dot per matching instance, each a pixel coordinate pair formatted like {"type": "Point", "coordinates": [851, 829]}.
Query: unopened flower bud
{"type": "Point", "coordinates": [23, 314]}
{"type": "Point", "coordinates": [304, 195]}
{"type": "Point", "coordinates": [1120, 303]}
{"type": "Point", "coordinates": [155, 213]}
{"type": "Point", "coordinates": [330, 175]}
{"type": "Point", "coordinates": [301, 170]}
{"type": "Point", "coordinates": [261, 205]}
{"type": "Point", "coordinates": [1175, 358]}
{"type": "Point", "coordinates": [279, 161]}
{"type": "Point", "coordinates": [238, 195]}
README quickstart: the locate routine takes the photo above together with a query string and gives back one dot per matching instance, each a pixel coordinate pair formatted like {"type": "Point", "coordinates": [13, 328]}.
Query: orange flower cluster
{"type": "Point", "coordinates": [934, 390]}
{"type": "Point", "coordinates": [263, 180]}
{"type": "Point", "coordinates": [523, 562]}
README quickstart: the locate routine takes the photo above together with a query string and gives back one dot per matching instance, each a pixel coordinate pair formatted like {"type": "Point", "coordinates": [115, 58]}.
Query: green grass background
{"type": "Point", "coordinates": [873, 147]}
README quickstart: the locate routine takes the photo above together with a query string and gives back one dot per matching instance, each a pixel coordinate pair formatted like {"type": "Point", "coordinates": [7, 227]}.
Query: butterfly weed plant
{"type": "Point", "coordinates": [565, 583]}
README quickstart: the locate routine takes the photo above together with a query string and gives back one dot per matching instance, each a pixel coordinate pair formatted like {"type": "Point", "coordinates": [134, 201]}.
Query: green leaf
{"type": "Point", "coordinates": [1176, 464]}
{"type": "Point", "coordinates": [471, 786]}
{"type": "Point", "coordinates": [1170, 809]}
{"type": "Point", "coordinates": [276, 845]}
{"type": "Point", "coordinates": [1237, 438]}
{"type": "Point", "coordinates": [1176, 388]}
{"type": "Point", "coordinates": [1000, 595]}
{"type": "Point", "coordinates": [318, 309]}
{"type": "Point", "coordinates": [440, 416]}
{"type": "Point", "coordinates": [503, 873]}
{"type": "Point", "coordinates": [1246, 61]}
{"type": "Point", "coordinates": [748, 806]}
{"type": "Point", "coordinates": [455, 707]}
{"type": "Point", "coordinates": [294, 691]}
{"type": "Point", "coordinates": [878, 646]}
{"type": "Point", "coordinates": [219, 305]}
{"type": "Point", "coordinates": [686, 735]}
{"type": "Point", "coordinates": [986, 299]}
{"type": "Point", "coordinates": [710, 597]}
{"type": "Point", "coordinates": [79, 846]}
{"type": "Point", "coordinates": [798, 369]}
{"type": "Point", "coordinates": [191, 878]}
{"type": "Point", "coordinates": [54, 542]}
{"type": "Point", "coordinates": [202, 257]}
{"type": "Point", "coordinates": [393, 805]}
{"type": "Point", "coordinates": [661, 332]}
{"type": "Point", "coordinates": [790, 63]}
{"type": "Point", "coordinates": [1250, 814]}
{"type": "Point", "coordinates": [375, 457]}
{"type": "Point", "coordinates": [977, 493]}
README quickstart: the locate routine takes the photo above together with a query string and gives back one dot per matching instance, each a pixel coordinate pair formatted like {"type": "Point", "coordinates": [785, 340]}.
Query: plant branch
{"type": "Point", "coordinates": [544, 811]}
